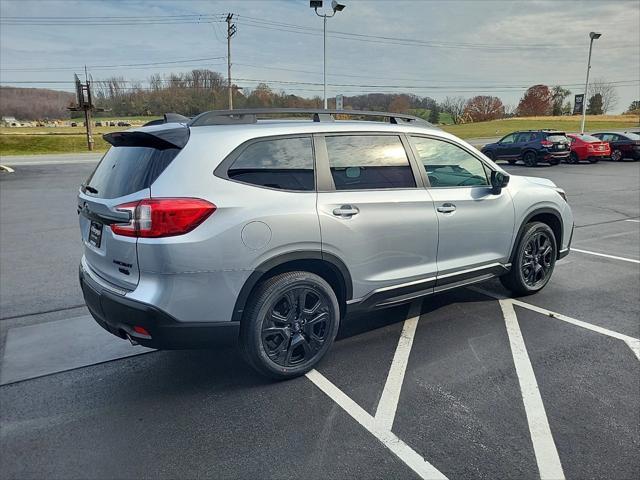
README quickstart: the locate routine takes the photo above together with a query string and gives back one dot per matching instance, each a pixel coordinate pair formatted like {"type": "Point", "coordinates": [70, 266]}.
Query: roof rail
{"type": "Point", "coordinates": [248, 116]}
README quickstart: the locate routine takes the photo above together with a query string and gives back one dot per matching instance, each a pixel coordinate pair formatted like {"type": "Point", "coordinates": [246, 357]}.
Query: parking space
{"type": "Point", "coordinates": [468, 384]}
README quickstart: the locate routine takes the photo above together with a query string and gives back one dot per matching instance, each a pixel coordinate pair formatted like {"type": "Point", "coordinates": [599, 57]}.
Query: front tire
{"type": "Point", "coordinates": [533, 261]}
{"type": "Point", "coordinates": [289, 325]}
{"type": "Point", "coordinates": [573, 158]}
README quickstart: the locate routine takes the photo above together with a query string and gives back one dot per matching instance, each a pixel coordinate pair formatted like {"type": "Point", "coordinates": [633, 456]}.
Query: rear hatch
{"type": "Point", "coordinates": [123, 176]}
{"type": "Point", "coordinates": [556, 142]}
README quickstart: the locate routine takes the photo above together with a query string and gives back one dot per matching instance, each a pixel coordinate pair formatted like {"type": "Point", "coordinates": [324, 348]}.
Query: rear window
{"type": "Point", "coordinates": [632, 136]}
{"type": "Point", "coordinates": [557, 137]}
{"type": "Point", "coordinates": [125, 170]}
{"type": "Point", "coordinates": [588, 138]}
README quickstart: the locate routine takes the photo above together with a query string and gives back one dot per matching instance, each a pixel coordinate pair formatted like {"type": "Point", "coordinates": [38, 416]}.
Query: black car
{"type": "Point", "coordinates": [531, 146]}
{"type": "Point", "coordinates": [623, 145]}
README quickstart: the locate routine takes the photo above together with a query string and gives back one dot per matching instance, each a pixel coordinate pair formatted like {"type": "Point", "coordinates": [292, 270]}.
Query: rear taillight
{"type": "Point", "coordinates": [546, 143]}
{"type": "Point", "coordinates": [163, 217]}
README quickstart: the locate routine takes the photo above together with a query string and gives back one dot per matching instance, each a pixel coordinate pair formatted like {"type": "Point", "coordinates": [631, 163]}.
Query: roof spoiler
{"type": "Point", "coordinates": [161, 139]}
{"type": "Point", "coordinates": [169, 118]}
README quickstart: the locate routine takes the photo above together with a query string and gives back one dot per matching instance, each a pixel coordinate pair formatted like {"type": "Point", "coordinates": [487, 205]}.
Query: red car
{"type": "Point", "coordinates": [587, 147]}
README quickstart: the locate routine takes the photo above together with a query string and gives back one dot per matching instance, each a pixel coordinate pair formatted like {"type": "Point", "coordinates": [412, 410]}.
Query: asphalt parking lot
{"type": "Point", "coordinates": [467, 384]}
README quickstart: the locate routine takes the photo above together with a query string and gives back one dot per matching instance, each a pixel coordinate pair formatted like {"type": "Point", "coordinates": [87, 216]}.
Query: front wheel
{"type": "Point", "coordinates": [533, 261]}
{"type": "Point", "coordinates": [289, 325]}
{"type": "Point", "coordinates": [573, 158]}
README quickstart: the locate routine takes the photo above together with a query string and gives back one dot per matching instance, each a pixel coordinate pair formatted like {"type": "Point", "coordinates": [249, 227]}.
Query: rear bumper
{"type": "Point", "coordinates": [545, 156]}
{"type": "Point", "coordinates": [119, 315]}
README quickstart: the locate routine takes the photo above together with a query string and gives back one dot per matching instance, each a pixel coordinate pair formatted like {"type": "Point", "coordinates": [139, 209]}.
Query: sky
{"type": "Point", "coordinates": [426, 47]}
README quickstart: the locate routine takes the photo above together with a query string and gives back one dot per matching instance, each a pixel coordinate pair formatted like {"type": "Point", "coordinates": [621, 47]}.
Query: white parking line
{"type": "Point", "coordinates": [386, 411]}
{"type": "Point", "coordinates": [6, 168]}
{"type": "Point", "coordinates": [632, 342]}
{"type": "Point", "coordinates": [549, 465]}
{"type": "Point", "coordinates": [403, 451]}
{"type": "Point", "coordinates": [624, 259]}
{"type": "Point", "coordinates": [632, 220]}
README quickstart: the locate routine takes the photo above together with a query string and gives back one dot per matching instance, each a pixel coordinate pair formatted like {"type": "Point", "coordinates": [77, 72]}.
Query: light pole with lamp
{"type": "Point", "coordinates": [336, 7]}
{"type": "Point", "coordinates": [593, 36]}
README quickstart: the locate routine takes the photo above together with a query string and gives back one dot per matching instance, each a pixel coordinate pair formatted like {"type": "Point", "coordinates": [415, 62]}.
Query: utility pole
{"type": "Point", "coordinates": [231, 30]}
{"type": "Point", "coordinates": [85, 104]}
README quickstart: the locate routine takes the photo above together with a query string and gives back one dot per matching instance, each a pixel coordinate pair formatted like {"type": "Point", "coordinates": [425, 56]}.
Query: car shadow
{"type": "Point", "coordinates": [224, 369]}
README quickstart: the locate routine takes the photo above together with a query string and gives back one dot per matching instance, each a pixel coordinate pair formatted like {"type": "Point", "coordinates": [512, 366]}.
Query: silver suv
{"type": "Point", "coordinates": [225, 227]}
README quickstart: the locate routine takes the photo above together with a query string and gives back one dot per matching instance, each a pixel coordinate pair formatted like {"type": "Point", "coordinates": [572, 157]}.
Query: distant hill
{"type": "Point", "coordinates": [34, 103]}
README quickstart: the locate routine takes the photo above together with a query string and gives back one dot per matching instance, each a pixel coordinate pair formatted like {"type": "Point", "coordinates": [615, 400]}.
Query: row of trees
{"type": "Point", "coordinates": [34, 103]}
{"type": "Point", "coordinates": [196, 91]}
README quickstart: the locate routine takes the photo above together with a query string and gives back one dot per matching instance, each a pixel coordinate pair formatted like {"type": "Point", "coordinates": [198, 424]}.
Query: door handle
{"type": "Point", "coordinates": [447, 208]}
{"type": "Point", "coordinates": [346, 211]}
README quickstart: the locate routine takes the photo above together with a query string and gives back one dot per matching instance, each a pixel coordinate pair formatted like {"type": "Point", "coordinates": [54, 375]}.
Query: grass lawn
{"type": "Point", "coordinates": [40, 144]}
{"type": "Point", "coordinates": [36, 140]}
{"type": "Point", "coordinates": [496, 128]}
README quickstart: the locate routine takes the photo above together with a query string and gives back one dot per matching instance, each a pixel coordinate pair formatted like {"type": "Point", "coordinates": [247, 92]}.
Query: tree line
{"type": "Point", "coordinates": [193, 92]}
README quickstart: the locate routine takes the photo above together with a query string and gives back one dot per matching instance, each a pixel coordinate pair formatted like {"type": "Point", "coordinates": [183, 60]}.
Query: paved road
{"type": "Point", "coordinates": [205, 414]}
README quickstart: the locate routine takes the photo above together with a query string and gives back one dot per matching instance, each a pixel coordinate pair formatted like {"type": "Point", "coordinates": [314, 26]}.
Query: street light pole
{"type": "Point", "coordinates": [324, 61]}
{"type": "Point", "coordinates": [336, 7]}
{"type": "Point", "coordinates": [593, 36]}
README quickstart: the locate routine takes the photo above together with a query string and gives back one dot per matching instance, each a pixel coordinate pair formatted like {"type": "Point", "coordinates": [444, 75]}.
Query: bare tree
{"type": "Point", "coordinates": [454, 106]}
{"type": "Point", "coordinates": [607, 92]}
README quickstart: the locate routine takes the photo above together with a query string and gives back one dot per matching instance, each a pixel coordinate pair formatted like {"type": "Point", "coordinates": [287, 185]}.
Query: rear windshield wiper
{"type": "Point", "coordinates": [90, 189]}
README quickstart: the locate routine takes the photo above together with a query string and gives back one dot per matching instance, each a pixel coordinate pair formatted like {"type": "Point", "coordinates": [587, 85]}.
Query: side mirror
{"type": "Point", "coordinates": [498, 181]}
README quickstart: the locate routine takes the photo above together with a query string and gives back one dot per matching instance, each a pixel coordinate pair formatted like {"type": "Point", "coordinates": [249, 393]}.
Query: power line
{"type": "Point", "coordinates": [92, 67]}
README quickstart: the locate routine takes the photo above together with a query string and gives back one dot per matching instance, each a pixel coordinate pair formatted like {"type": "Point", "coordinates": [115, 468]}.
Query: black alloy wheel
{"type": "Point", "coordinates": [290, 322]}
{"type": "Point", "coordinates": [537, 259]}
{"type": "Point", "coordinates": [530, 159]}
{"type": "Point", "coordinates": [533, 260]}
{"type": "Point", "coordinates": [296, 326]}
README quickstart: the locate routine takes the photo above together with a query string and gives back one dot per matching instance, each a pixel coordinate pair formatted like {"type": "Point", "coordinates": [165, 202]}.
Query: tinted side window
{"type": "Point", "coordinates": [448, 165]}
{"type": "Point", "coordinates": [284, 163]}
{"type": "Point", "coordinates": [509, 138]}
{"type": "Point", "coordinates": [369, 161]}
{"type": "Point", "coordinates": [523, 137]}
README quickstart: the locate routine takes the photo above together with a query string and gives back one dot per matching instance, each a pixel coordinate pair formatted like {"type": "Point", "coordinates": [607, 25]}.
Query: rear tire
{"type": "Point", "coordinates": [616, 155]}
{"type": "Point", "coordinates": [289, 324]}
{"type": "Point", "coordinates": [529, 159]}
{"type": "Point", "coordinates": [573, 158]}
{"type": "Point", "coordinates": [533, 260]}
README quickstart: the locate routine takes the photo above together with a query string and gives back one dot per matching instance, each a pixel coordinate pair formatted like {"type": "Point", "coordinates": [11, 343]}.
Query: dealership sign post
{"type": "Point", "coordinates": [577, 104]}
